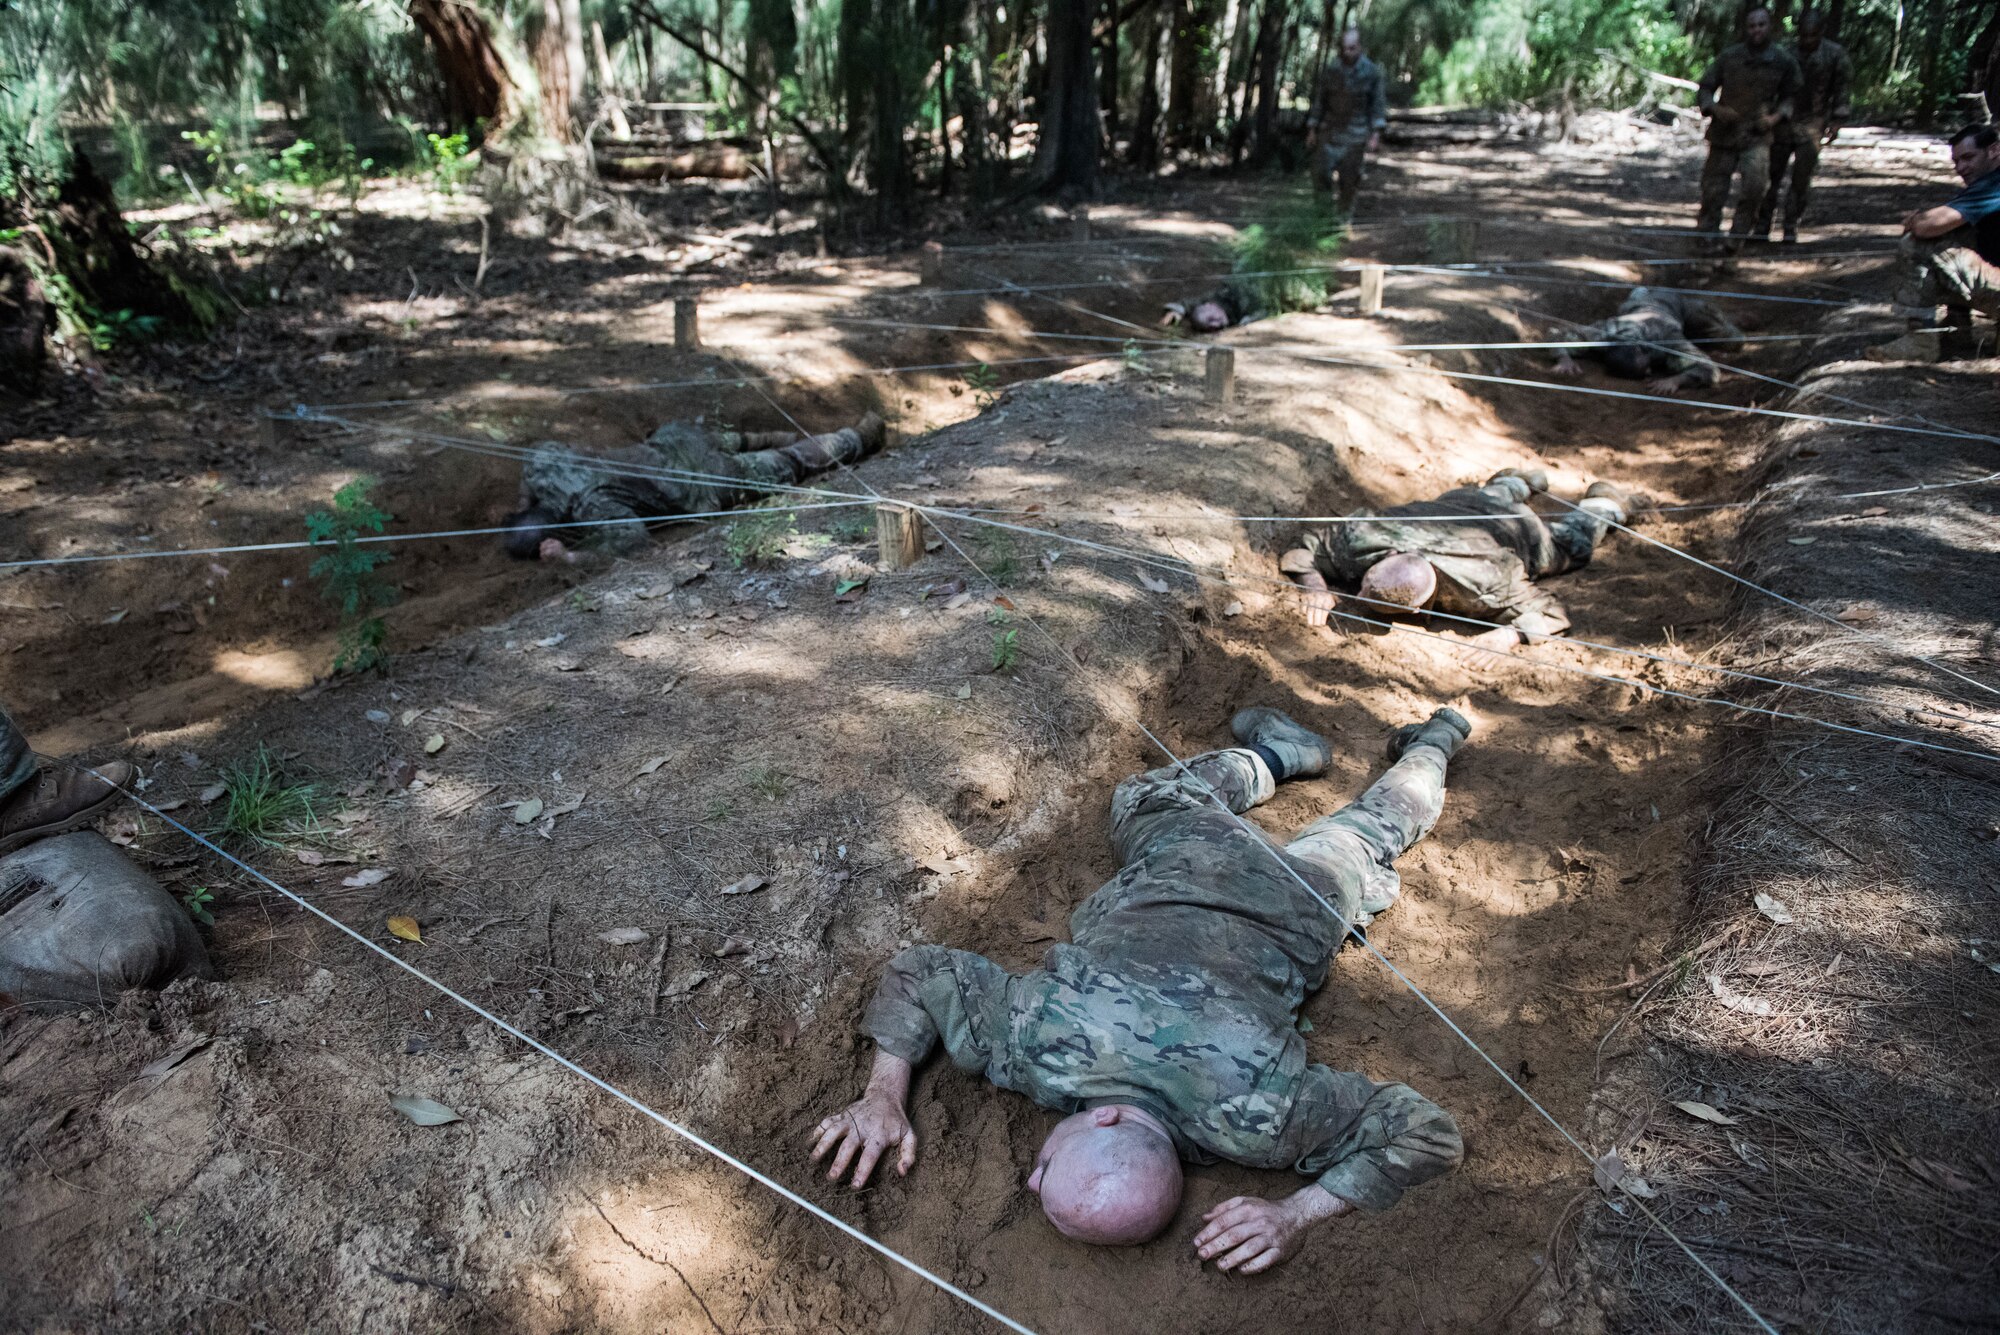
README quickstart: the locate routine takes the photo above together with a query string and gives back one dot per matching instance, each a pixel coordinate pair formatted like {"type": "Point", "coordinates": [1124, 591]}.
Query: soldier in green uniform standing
{"type": "Point", "coordinates": [1821, 110]}
{"type": "Point", "coordinates": [651, 480]}
{"type": "Point", "coordinates": [1750, 88]}
{"type": "Point", "coordinates": [1349, 112]}
{"type": "Point", "coordinates": [1167, 1029]}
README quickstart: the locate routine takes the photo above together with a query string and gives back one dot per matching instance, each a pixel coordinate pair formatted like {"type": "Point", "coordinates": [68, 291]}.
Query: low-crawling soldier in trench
{"type": "Point", "coordinates": [646, 481]}
{"type": "Point", "coordinates": [1168, 1027]}
{"type": "Point", "coordinates": [1649, 340]}
{"type": "Point", "coordinates": [1473, 552]}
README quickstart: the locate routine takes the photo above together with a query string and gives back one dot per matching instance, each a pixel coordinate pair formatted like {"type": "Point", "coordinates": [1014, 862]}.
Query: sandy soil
{"type": "Point", "coordinates": [833, 749]}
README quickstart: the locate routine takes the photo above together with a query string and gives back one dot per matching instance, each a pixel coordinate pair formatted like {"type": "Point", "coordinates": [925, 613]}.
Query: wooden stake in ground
{"type": "Point", "coordinates": [1079, 225]}
{"type": "Point", "coordinates": [1371, 289]}
{"type": "Point", "coordinates": [1221, 366]}
{"type": "Point", "coordinates": [899, 537]}
{"type": "Point", "coordinates": [687, 330]}
{"type": "Point", "coordinates": [931, 262]}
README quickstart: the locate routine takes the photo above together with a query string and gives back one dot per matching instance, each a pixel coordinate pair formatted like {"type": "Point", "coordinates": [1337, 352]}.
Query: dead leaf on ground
{"type": "Point", "coordinates": [947, 589]}
{"type": "Point", "coordinates": [212, 792]}
{"type": "Point", "coordinates": [570, 805]}
{"type": "Point", "coordinates": [124, 832]}
{"type": "Point", "coordinates": [1855, 613]}
{"type": "Point", "coordinates": [685, 984]}
{"type": "Point", "coordinates": [423, 1111]}
{"type": "Point", "coordinates": [404, 928]}
{"type": "Point", "coordinates": [1772, 909]}
{"type": "Point", "coordinates": [1735, 1000]}
{"type": "Point", "coordinates": [944, 866]}
{"type": "Point", "coordinates": [1124, 511]}
{"type": "Point", "coordinates": [410, 716]}
{"type": "Point", "coordinates": [1148, 583]}
{"type": "Point", "coordinates": [624, 936]}
{"type": "Point", "coordinates": [1875, 511]}
{"type": "Point", "coordinates": [964, 692]}
{"type": "Point", "coordinates": [1232, 610]}
{"type": "Point", "coordinates": [159, 1066]}
{"type": "Point", "coordinates": [650, 766]}
{"type": "Point", "coordinates": [399, 772]}
{"type": "Point", "coordinates": [350, 817]}
{"type": "Point", "coordinates": [1761, 968]}
{"type": "Point", "coordinates": [747, 885]}
{"type": "Point", "coordinates": [1609, 1171]}
{"type": "Point", "coordinates": [526, 812]}
{"type": "Point", "coordinates": [1802, 542]}
{"type": "Point", "coordinates": [433, 743]}
{"type": "Point", "coordinates": [175, 805]}
{"type": "Point", "coordinates": [956, 601]}
{"type": "Point", "coordinates": [788, 1033]}
{"type": "Point", "coordinates": [850, 590]}
{"type": "Point", "coordinates": [1705, 1112]}
{"type": "Point", "coordinates": [1003, 602]}
{"type": "Point", "coordinates": [733, 945]}
{"type": "Point", "coordinates": [551, 641]}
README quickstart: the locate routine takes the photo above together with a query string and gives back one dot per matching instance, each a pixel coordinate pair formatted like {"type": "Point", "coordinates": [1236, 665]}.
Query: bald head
{"type": "Point", "coordinates": [1350, 46]}
{"type": "Point", "coordinates": [1404, 578]}
{"type": "Point", "coordinates": [1108, 1176]}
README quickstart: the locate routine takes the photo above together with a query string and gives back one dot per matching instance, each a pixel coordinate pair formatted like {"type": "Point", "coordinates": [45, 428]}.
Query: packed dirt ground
{"type": "Point", "coordinates": [878, 765]}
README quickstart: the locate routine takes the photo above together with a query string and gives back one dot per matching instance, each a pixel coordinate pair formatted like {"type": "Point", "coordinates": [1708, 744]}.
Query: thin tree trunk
{"type": "Point", "coordinates": [483, 95]}
{"type": "Point", "coordinates": [1270, 43]}
{"type": "Point", "coordinates": [1071, 137]}
{"type": "Point", "coordinates": [1145, 148]}
{"type": "Point", "coordinates": [1107, 71]}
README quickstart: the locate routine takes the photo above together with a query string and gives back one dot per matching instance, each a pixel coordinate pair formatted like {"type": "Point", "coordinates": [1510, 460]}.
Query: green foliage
{"type": "Point", "coordinates": [447, 160]}
{"type": "Point", "coordinates": [760, 537]}
{"type": "Point", "coordinates": [985, 384]}
{"type": "Point", "coordinates": [768, 782]}
{"type": "Point", "coordinates": [857, 525]}
{"type": "Point", "coordinates": [260, 807]}
{"type": "Point", "coordinates": [199, 903]}
{"type": "Point", "coordinates": [999, 558]}
{"type": "Point", "coordinates": [347, 574]}
{"type": "Point", "coordinates": [1006, 649]}
{"type": "Point", "coordinates": [1292, 253]}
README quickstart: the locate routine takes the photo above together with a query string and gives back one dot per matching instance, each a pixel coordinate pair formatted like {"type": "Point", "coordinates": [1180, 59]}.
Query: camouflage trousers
{"type": "Point", "coordinates": [1222, 876]}
{"type": "Point", "coordinates": [1796, 145]}
{"type": "Point", "coordinates": [1341, 160]}
{"type": "Point", "coordinates": [1947, 271]}
{"type": "Point", "coordinates": [1725, 163]}
{"type": "Point", "coordinates": [17, 761]}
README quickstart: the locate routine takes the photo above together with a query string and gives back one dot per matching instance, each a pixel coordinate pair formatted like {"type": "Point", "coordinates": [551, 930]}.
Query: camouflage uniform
{"type": "Point", "coordinates": [615, 486]}
{"type": "Point", "coordinates": [1824, 77]}
{"type": "Point", "coordinates": [1484, 570]}
{"type": "Point", "coordinates": [1664, 322]}
{"type": "Point", "coordinates": [1239, 302]}
{"type": "Point", "coordinates": [1181, 987]}
{"type": "Point", "coordinates": [1947, 271]}
{"type": "Point", "coordinates": [17, 760]}
{"type": "Point", "coordinates": [1349, 106]}
{"type": "Point", "coordinates": [1742, 87]}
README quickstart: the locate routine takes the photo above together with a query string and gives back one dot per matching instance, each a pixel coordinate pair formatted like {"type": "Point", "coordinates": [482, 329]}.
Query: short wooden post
{"type": "Point", "coordinates": [899, 536]}
{"type": "Point", "coordinates": [1221, 367]}
{"type": "Point", "coordinates": [931, 260]}
{"type": "Point", "coordinates": [1079, 224]}
{"type": "Point", "coordinates": [1371, 289]}
{"type": "Point", "coordinates": [687, 328]}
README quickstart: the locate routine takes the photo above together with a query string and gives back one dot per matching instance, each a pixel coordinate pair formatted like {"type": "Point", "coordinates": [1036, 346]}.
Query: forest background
{"type": "Point", "coordinates": [877, 105]}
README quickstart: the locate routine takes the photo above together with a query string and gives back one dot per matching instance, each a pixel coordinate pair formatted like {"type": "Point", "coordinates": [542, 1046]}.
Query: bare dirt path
{"type": "Point", "coordinates": [867, 762]}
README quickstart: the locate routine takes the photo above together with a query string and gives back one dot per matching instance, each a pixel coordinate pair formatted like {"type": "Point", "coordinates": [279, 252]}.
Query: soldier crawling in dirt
{"type": "Point", "coordinates": [1649, 340]}
{"type": "Point", "coordinates": [1226, 307]}
{"type": "Point", "coordinates": [1474, 552]}
{"type": "Point", "coordinates": [682, 468]}
{"type": "Point", "coordinates": [1168, 1028]}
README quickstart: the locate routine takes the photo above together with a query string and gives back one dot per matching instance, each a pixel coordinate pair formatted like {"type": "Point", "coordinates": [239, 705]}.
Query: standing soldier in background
{"type": "Point", "coordinates": [1349, 112]}
{"type": "Point", "coordinates": [1821, 110]}
{"type": "Point", "coordinates": [1749, 89]}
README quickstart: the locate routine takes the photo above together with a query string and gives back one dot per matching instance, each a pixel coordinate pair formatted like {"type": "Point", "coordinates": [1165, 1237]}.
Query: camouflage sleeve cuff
{"type": "Point", "coordinates": [896, 1018]}
{"type": "Point", "coordinates": [1359, 1181]}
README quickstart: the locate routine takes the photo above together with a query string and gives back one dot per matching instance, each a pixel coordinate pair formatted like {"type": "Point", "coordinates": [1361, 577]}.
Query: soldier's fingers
{"type": "Point", "coordinates": [850, 1141]}
{"type": "Point", "coordinates": [1231, 1237]}
{"type": "Point", "coordinates": [1234, 1202]}
{"type": "Point", "coordinates": [1240, 1215]}
{"type": "Point", "coordinates": [1257, 1265]}
{"type": "Point", "coordinates": [908, 1158]}
{"type": "Point", "coordinates": [1249, 1249]}
{"type": "Point", "coordinates": [827, 1136]}
{"type": "Point", "coordinates": [871, 1154]}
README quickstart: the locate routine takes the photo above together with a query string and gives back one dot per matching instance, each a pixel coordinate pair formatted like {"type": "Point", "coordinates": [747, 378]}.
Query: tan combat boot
{"type": "Point", "coordinates": [57, 801]}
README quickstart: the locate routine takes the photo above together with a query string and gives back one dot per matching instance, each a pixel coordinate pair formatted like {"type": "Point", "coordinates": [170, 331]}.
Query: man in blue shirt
{"type": "Point", "coordinates": [1951, 255]}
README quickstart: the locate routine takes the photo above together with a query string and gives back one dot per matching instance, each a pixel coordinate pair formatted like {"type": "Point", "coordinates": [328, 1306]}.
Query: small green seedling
{"type": "Point", "coordinates": [768, 782]}
{"type": "Point", "coordinates": [347, 575]}
{"type": "Point", "coordinates": [760, 537]}
{"type": "Point", "coordinates": [198, 903]}
{"type": "Point", "coordinates": [1006, 649]}
{"type": "Point", "coordinates": [985, 383]}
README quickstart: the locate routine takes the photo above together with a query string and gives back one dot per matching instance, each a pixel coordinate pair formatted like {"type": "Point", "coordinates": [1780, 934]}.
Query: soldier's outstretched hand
{"type": "Point", "coordinates": [862, 1133]}
{"type": "Point", "coordinates": [1250, 1234]}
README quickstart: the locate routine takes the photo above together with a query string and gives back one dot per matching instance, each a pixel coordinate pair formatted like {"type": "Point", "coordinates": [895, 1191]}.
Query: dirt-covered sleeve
{"type": "Point", "coordinates": [930, 992]}
{"type": "Point", "coordinates": [1374, 1142]}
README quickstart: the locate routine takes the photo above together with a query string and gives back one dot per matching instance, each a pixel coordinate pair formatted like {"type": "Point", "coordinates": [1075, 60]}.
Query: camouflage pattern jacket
{"type": "Point", "coordinates": [1666, 321]}
{"type": "Point", "coordinates": [1742, 87]}
{"type": "Point", "coordinates": [614, 487]}
{"type": "Point", "coordinates": [1350, 103]}
{"type": "Point", "coordinates": [1486, 571]}
{"type": "Point", "coordinates": [1209, 1046]}
{"type": "Point", "coordinates": [1825, 74]}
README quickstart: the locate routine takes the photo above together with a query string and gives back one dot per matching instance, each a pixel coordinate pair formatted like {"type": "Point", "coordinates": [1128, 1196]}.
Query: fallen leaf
{"type": "Point", "coordinates": [404, 928]}
{"type": "Point", "coordinates": [211, 793]}
{"type": "Point", "coordinates": [650, 766]}
{"type": "Point", "coordinates": [1608, 1172]}
{"type": "Point", "coordinates": [1772, 909]}
{"type": "Point", "coordinates": [423, 1111]}
{"type": "Point", "coordinates": [526, 812]}
{"type": "Point", "coordinates": [849, 590]}
{"type": "Point", "coordinates": [125, 832]}
{"type": "Point", "coordinates": [1802, 542]}
{"type": "Point", "coordinates": [1735, 1000]}
{"type": "Point", "coordinates": [310, 857]}
{"type": "Point", "coordinates": [788, 1033]}
{"type": "Point", "coordinates": [399, 772]}
{"type": "Point", "coordinates": [734, 945]}
{"type": "Point", "coordinates": [350, 817]}
{"type": "Point", "coordinates": [747, 885]}
{"type": "Point", "coordinates": [175, 805]}
{"type": "Point", "coordinates": [116, 616]}
{"type": "Point", "coordinates": [624, 936]}
{"type": "Point", "coordinates": [1124, 511]}
{"type": "Point", "coordinates": [433, 743]}
{"type": "Point", "coordinates": [1704, 1112]}
{"type": "Point", "coordinates": [1855, 612]}
{"type": "Point", "coordinates": [1002, 601]}
{"type": "Point", "coordinates": [956, 601]}
{"type": "Point", "coordinates": [1875, 511]}
{"type": "Point", "coordinates": [944, 866]}
{"type": "Point", "coordinates": [377, 716]}
{"type": "Point", "coordinates": [551, 641]}
{"type": "Point", "coordinates": [568, 664]}
{"type": "Point", "coordinates": [159, 1066]}
{"type": "Point", "coordinates": [565, 808]}
{"type": "Point", "coordinates": [410, 716]}
{"type": "Point", "coordinates": [1150, 584]}
{"type": "Point", "coordinates": [1637, 1186]}
{"type": "Point", "coordinates": [964, 692]}
{"type": "Point", "coordinates": [1233, 610]}
{"type": "Point", "coordinates": [685, 984]}
{"type": "Point", "coordinates": [1761, 968]}
{"type": "Point", "coordinates": [361, 880]}
{"type": "Point", "coordinates": [944, 590]}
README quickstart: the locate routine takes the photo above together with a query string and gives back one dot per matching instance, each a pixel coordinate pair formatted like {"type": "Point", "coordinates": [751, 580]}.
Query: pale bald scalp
{"type": "Point", "coordinates": [1405, 579]}
{"type": "Point", "coordinates": [1113, 1186]}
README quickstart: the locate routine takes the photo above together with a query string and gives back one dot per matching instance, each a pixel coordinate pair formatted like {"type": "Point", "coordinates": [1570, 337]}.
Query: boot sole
{"type": "Point", "coordinates": [74, 823]}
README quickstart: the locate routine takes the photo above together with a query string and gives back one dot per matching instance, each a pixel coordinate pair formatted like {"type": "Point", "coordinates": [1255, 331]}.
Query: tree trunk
{"type": "Point", "coordinates": [482, 96]}
{"type": "Point", "coordinates": [554, 72]}
{"type": "Point", "coordinates": [1270, 41]}
{"type": "Point", "coordinates": [95, 251]}
{"type": "Point", "coordinates": [24, 323]}
{"type": "Point", "coordinates": [1189, 69]}
{"type": "Point", "coordinates": [1071, 135]}
{"type": "Point", "coordinates": [1107, 71]}
{"type": "Point", "coordinates": [1145, 148]}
